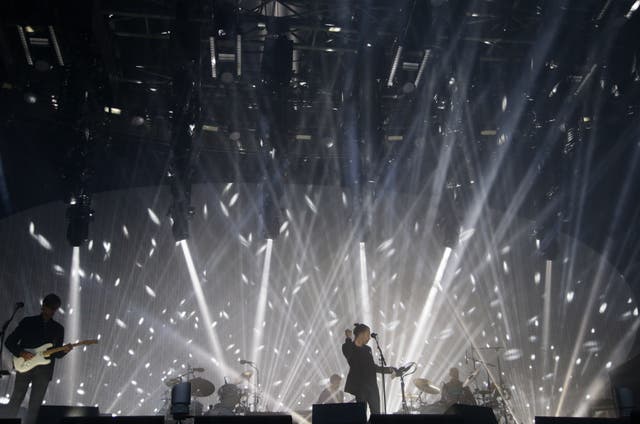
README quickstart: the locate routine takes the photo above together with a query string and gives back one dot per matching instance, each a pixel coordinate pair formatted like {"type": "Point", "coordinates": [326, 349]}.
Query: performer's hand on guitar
{"type": "Point", "coordinates": [348, 333]}
{"type": "Point", "coordinates": [26, 355]}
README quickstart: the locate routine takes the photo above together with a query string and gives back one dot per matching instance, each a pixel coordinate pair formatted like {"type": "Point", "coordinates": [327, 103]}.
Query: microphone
{"type": "Point", "coordinates": [374, 335]}
{"type": "Point", "coordinates": [404, 369]}
{"type": "Point", "coordinates": [245, 362]}
{"type": "Point", "coordinates": [19, 305]}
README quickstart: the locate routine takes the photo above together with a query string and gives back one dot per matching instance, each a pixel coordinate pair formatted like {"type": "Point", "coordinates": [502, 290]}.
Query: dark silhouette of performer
{"type": "Point", "coordinates": [454, 392]}
{"type": "Point", "coordinates": [332, 394]}
{"type": "Point", "coordinates": [361, 380]}
{"type": "Point", "coordinates": [33, 332]}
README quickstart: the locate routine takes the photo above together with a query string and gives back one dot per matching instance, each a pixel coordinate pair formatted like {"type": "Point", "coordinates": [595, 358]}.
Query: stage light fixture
{"type": "Point", "coordinates": [79, 216]}
{"type": "Point", "coordinates": [277, 59]}
{"type": "Point", "coordinates": [180, 215]}
{"type": "Point", "coordinates": [30, 97]}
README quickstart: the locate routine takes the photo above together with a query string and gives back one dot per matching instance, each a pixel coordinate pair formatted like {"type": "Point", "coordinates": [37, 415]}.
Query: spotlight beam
{"type": "Point", "coordinates": [364, 286]}
{"type": "Point", "coordinates": [417, 342]}
{"type": "Point", "coordinates": [202, 304]}
{"type": "Point", "coordinates": [258, 330]}
{"type": "Point", "coordinates": [74, 321]}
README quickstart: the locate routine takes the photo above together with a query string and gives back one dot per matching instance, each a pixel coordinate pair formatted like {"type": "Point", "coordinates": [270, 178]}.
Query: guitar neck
{"type": "Point", "coordinates": [49, 352]}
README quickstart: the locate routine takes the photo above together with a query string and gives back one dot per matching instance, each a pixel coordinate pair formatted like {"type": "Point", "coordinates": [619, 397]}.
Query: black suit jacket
{"type": "Point", "coordinates": [33, 332]}
{"type": "Point", "coordinates": [362, 368]}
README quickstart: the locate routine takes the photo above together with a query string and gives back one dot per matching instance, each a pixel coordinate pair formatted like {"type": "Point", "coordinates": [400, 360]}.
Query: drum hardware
{"type": "Point", "coordinates": [426, 386]}
{"type": "Point", "coordinates": [471, 377]}
{"type": "Point", "coordinates": [201, 387]}
{"type": "Point", "coordinates": [248, 374]}
{"type": "Point", "coordinates": [497, 394]}
{"type": "Point", "coordinates": [170, 382]}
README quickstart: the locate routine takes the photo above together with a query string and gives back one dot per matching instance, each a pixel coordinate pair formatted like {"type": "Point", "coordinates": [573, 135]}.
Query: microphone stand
{"type": "Point", "coordinates": [2, 335]}
{"type": "Point", "coordinates": [383, 364]}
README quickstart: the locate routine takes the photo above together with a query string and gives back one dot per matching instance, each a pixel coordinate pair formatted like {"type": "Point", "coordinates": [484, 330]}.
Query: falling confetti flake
{"type": "Point", "coordinates": [310, 203]}
{"type": "Point", "coordinates": [153, 216]}
{"type": "Point", "coordinates": [150, 291]}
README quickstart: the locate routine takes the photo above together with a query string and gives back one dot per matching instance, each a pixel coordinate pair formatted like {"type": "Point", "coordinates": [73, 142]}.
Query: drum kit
{"type": "Point", "coordinates": [233, 396]}
{"type": "Point", "coordinates": [488, 394]}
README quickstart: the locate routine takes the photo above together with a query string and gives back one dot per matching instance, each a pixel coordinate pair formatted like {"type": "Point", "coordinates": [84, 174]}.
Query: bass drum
{"type": "Point", "coordinates": [433, 408]}
{"type": "Point", "coordinates": [220, 409]}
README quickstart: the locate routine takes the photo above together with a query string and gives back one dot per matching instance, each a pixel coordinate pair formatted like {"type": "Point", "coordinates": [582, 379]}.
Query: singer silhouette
{"type": "Point", "coordinates": [361, 379]}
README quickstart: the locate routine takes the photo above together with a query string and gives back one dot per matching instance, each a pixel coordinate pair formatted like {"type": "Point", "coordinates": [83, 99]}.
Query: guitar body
{"type": "Point", "coordinates": [38, 359]}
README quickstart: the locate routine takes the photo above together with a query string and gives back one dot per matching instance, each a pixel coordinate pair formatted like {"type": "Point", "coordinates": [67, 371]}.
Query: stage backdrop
{"type": "Point", "coordinates": [228, 294]}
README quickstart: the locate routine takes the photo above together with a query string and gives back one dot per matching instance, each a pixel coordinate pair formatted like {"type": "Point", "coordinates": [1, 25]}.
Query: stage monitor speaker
{"type": "Point", "coordinates": [53, 414]}
{"type": "Point", "coordinates": [151, 419]}
{"type": "Point", "coordinates": [581, 420]}
{"type": "Point", "coordinates": [339, 413]}
{"type": "Point", "coordinates": [472, 414]}
{"type": "Point", "coordinates": [244, 419]}
{"type": "Point", "coordinates": [415, 419]}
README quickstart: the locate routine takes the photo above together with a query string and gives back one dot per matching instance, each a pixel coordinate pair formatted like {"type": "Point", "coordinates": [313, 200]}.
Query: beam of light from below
{"type": "Point", "coordinates": [202, 304]}
{"type": "Point", "coordinates": [73, 322]}
{"type": "Point", "coordinates": [262, 303]}
{"type": "Point", "coordinates": [364, 286]}
{"type": "Point", "coordinates": [547, 307]}
{"type": "Point", "coordinates": [417, 342]}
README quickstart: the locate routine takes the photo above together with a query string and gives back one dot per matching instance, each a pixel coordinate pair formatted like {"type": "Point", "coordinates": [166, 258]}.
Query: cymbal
{"type": "Point", "coordinates": [425, 386]}
{"type": "Point", "coordinates": [471, 377]}
{"type": "Point", "coordinates": [170, 382]}
{"type": "Point", "coordinates": [201, 387]}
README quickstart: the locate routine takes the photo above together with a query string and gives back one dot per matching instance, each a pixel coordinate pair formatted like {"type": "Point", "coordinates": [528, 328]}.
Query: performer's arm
{"type": "Point", "coordinates": [384, 370]}
{"type": "Point", "coordinates": [13, 341]}
{"type": "Point", "coordinates": [57, 342]}
{"type": "Point", "coordinates": [378, 368]}
{"type": "Point", "coordinates": [347, 346]}
{"type": "Point", "coordinates": [323, 396]}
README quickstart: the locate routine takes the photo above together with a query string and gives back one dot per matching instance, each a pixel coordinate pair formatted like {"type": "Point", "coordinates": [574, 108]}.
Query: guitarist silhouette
{"type": "Point", "coordinates": [31, 333]}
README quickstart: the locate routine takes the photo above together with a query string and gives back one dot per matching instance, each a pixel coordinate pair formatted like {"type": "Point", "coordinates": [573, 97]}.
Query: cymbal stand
{"type": "Point", "coordinates": [256, 392]}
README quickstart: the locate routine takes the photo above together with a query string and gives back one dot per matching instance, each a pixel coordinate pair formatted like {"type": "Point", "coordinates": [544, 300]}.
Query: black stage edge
{"type": "Point", "coordinates": [583, 420]}
{"type": "Point", "coordinates": [472, 414]}
{"type": "Point", "coordinates": [339, 413]}
{"type": "Point", "coordinates": [266, 418]}
{"type": "Point", "coordinates": [418, 419]}
{"type": "Point", "coordinates": [142, 419]}
{"type": "Point", "coordinates": [54, 414]}
{"type": "Point", "coordinates": [10, 421]}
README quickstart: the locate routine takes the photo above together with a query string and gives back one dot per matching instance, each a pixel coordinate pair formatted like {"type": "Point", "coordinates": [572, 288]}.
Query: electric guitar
{"type": "Point", "coordinates": [41, 355]}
